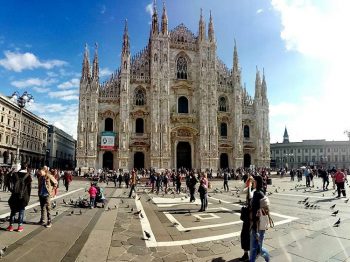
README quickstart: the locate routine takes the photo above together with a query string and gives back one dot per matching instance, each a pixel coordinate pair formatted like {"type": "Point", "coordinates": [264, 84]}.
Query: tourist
{"type": "Point", "coordinates": [120, 179]}
{"type": "Point", "coordinates": [192, 186]}
{"type": "Point", "coordinates": [46, 189]}
{"type": "Point", "coordinates": [92, 193]}
{"type": "Point", "coordinates": [256, 235]}
{"type": "Point", "coordinates": [340, 179]}
{"type": "Point", "coordinates": [203, 192]}
{"type": "Point", "coordinates": [133, 182]}
{"type": "Point", "coordinates": [67, 179]}
{"type": "Point", "coordinates": [226, 188]}
{"type": "Point", "coordinates": [20, 184]}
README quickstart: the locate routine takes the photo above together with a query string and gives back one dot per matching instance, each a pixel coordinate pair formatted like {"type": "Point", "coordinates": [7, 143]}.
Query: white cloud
{"type": "Point", "coordinates": [103, 9]}
{"type": "Point", "coordinates": [51, 74]}
{"type": "Point", "coordinates": [41, 89]}
{"type": "Point", "coordinates": [149, 9]}
{"type": "Point", "coordinates": [316, 29]}
{"type": "Point", "coordinates": [18, 62]}
{"type": "Point", "coordinates": [33, 82]}
{"type": "Point", "coordinates": [63, 116]}
{"type": "Point", "coordinates": [259, 11]}
{"type": "Point", "coordinates": [69, 84]}
{"type": "Point", "coordinates": [65, 94]}
{"type": "Point", "coordinates": [105, 72]}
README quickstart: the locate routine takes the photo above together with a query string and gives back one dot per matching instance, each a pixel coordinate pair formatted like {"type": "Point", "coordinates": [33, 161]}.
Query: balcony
{"type": "Point", "coordinates": [183, 118]}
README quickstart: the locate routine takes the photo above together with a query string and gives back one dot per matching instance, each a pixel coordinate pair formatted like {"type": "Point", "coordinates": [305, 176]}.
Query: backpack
{"type": "Point", "coordinates": [19, 186]}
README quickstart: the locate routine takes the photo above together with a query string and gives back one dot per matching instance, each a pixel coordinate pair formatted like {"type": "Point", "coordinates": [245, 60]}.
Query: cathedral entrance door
{"type": "Point", "coordinates": [247, 160]}
{"type": "Point", "coordinates": [139, 160]}
{"type": "Point", "coordinates": [183, 155]}
{"type": "Point", "coordinates": [108, 160]}
{"type": "Point", "coordinates": [223, 160]}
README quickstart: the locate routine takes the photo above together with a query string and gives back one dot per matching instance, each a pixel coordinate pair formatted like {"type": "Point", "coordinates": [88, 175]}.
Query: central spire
{"type": "Point", "coordinates": [95, 67]}
{"type": "Point", "coordinates": [85, 74]}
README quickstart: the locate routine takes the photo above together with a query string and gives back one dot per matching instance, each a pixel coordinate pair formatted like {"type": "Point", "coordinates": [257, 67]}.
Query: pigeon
{"type": "Point", "coordinates": [148, 235]}
{"type": "Point", "coordinates": [333, 193]}
{"type": "Point", "coordinates": [182, 198]}
{"type": "Point", "coordinates": [72, 212]}
{"type": "Point", "coordinates": [71, 201]}
{"type": "Point", "coordinates": [332, 207]}
{"type": "Point", "coordinates": [80, 213]}
{"type": "Point", "coordinates": [35, 210]}
{"type": "Point", "coordinates": [346, 200]}
{"type": "Point", "coordinates": [56, 213]}
{"type": "Point", "coordinates": [141, 215]}
{"type": "Point", "coordinates": [64, 202]}
{"type": "Point", "coordinates": [198, 219]}
{"type": "Point", "coordinates": [139, 198]}
{"type": "Point", "coordinates": [335, 213]}
{"type": "Point", "coordinates": [109, 209]}
{"type": "Point", "coordinates": [127, 206]}
{"type": "Point", "coordinates": [2, 252]}
{"type": "Point", "coordinates": [148, 200]}
{"type": "Point", "coordinates": [132, 209]}
{"type": "Point", "coordinates": [219, 201]}
{"type": "Point", "coordinates": [175, 224]}
{"type": "Point", "coordinates": [138, 212]}
{"type": "Point", "coordinates": [276, 191]}
{"type": "Point", "coordinates": [115, 206]}
{"type": "Point", "coordinates": [336, 224]}
{"type": "Point", "coordinates": [122, 201]}
{"type": "Point", "coordinates": [54, 204]}
{"type": "Point", "coordinates": [323, 195]}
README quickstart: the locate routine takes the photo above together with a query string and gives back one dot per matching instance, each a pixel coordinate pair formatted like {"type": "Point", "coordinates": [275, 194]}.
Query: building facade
{"type": "Point", "coordinates": [33, 135]}
{"type": "Point", "coordinates": [310, 153]}
{"type": "Point", "coordinates": [172, 105]}
{"type": "Point", "coordinates": [60, 151]}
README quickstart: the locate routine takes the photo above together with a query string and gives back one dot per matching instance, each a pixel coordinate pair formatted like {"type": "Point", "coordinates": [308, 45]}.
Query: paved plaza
{"type": "Point", "coordinates": [178, 232]}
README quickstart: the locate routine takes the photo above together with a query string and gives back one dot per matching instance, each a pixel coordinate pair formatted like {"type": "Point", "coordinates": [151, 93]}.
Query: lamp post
{"type": "Point", "coordinates": [21, 101]}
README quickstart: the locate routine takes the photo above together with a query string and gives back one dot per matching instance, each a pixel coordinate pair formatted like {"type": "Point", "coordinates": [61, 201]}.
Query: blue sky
{"type": "Point", "coordinates": [302, 45]}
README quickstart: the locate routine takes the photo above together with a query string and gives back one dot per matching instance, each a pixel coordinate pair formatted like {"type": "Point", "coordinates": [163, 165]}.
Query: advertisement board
{"type": "Point", "coordinates": [108, 140]}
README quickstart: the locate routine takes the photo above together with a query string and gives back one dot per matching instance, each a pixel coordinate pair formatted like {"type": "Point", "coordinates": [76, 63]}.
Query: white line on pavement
{"type": "Point", "coordinates": [303, 196]}
{"type": "Point", "coordinates": [38, 203]}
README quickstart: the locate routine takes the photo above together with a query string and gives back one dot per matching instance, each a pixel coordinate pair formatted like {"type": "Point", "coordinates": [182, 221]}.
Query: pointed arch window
{"type": "Point", "coordinates": [223, 104]}
{"type": "Point", "coordinates": [183, 105]}
{"type": "Point", "coordinates": [139, 97]}
{"type": "Point", "coordinates": [246, 131]}
{"type": "Point", "coordinates": [223, 129]}
{"type": "Point", "coordinates": [181, 66]}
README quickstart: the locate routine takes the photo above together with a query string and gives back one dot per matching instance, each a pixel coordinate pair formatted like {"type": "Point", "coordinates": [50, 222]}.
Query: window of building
{"type": "Point", "coordinates": [291, 150]}
{"type": "Point", "coordinates": [335, 149]}
{"type": "Point", "coordinates": [223, 129]}
{"type": "Point", "coordinates": [181, 66]}
{"type": "Point", "coordinates": [277, 151]}
{"type": "Point", "coordinates": [306, 150]}
{"type": "Point", "coordinates": [7, 139]}
{"type": "Point", "coordinates": [183, 105]}
{"type": "Point", "coordinates": [49, 135]}
{"type": "Point", "coordinates": [139, 97]}
{"type": "Point", "coordinates": [299, 152]}
{"type": "Point", "coordinates": [306, 159]}
{"type": "Point", "coordinates": [13, 140]}
{"type": "Point", "coordinates": [343, 149]}
{"type": "Point", "coordinates": [139, 126]}
{"type": "Point", "coordinates": [313, 150]}
{"type": "Point", "coordinates": [222, 104]}
{"type": "Point", "coordinates": [336, 158]}
{"type": "Point", "coordinates": [2, 119]}
{"type": "Point", "coordinates": [299, 159]}
{"type": "Point", "coordinates": [108, 124]}
{"type": "Point", "coordinates": [8, 121]}
{"type": "Point", "coordinates": [328, 150]}
{"type": "Point", "coordinates": [0, 138]}
{"type": "Point", "coordinates": [246, 131]}
{"type": "Point", "coordinates": [321, 150]}
{"type": "Point", "coordinates": [343, 158]}
{"type": "Point", "coordinates": [284, 151]}
{"type": "Point", "coordinates": [49, 140]}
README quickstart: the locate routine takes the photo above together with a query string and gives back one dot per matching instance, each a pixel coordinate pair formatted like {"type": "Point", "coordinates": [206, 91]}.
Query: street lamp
{"type": "Point", "coordinates": [21, 101]}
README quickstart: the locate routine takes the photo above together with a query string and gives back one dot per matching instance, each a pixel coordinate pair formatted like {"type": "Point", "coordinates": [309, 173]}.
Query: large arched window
{"type": "Point", "coordinates": [246, 131]}
{"type": "Point", "coordinates": [139, 127]}
{"type": "Point", "coordinates": [222, 104]}
{"type": "Point", "coordinates": [183, 105]}
{"type": "Point", "coordinates": [181, 66]}
{"type": "Point", "coordinates": [108, 124]}
{"type": "Point", "coordinates": [223, 129]}
{"type": "Point", "coordinates": [139, 97]}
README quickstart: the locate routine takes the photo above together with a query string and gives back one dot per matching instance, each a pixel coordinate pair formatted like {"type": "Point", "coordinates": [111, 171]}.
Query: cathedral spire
{"type": "Point", "coordinates": [264, 87]}
{"type": "Point", "coordinates": [257, 84]}
{"type": "Point", "coordinates": [164, 20]}
{"type": "Point", "coordinates": [211, 29]}
{"type": "Point", "coordinates": [95, 67]}
{"type": "Point", "coordinates": [155, 25]}
{"type": "Point", "coordinates": [201, 30]}
{"type": "Point", "coordinates": [235, 69]}
{"type": "Point", "coordinates": [126, 44]}
{"type": "Point", "coordinates": [85, 74]}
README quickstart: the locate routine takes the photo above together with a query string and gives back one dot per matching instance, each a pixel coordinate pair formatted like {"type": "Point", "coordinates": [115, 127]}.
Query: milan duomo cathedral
{"type": "Point", "coordinates": [174, 104]}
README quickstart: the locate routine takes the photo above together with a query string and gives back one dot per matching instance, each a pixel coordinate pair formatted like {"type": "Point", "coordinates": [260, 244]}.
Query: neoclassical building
{"type": "Point", "coordinates": [174, 104]}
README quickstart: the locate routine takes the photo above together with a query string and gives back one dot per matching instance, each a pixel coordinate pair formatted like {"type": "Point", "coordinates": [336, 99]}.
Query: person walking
{"type": "Point", "coordinates": [340, 179]}
{"type": "Point", "coordinates": [20, 184]}
{"type": "Point", "coordinates": [46, 189]}
{"type": "Point", "coordinates": [133, 182]}
{"type": "Point", "coordinates": [67, 179]}
{"type": "Point", "coordinates": [120, 179]}
{"type": "Point", "coordinates": [226, 181]}
{"type": "Point", "coordinates": [257, 235]}
{"type": "Point", "coordinates": [93, 193]}
{"type": "Point", "coordinates": [178, 183]}
{"type": "Point", "coordinates": [307, 176]}
{"type": "Point", "coordinates": [203, 192]}
{"type": "Point", "coordinates": [192, 186]}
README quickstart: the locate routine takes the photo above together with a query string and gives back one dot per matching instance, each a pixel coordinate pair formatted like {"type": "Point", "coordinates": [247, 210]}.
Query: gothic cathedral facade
{"type": "Point", "coordinates": [172, 105]}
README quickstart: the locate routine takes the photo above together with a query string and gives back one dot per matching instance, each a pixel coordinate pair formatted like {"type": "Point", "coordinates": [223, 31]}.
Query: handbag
{"type": "Point", "coordinates": [265, 221]}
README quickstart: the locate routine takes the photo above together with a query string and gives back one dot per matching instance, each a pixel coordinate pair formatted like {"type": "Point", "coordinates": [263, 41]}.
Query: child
{"type": "Point", "coordinates": [92, 193]}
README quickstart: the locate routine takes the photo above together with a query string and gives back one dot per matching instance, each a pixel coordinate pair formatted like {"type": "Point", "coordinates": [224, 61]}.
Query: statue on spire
{"type": "Point", "coordinates": [155, 25]}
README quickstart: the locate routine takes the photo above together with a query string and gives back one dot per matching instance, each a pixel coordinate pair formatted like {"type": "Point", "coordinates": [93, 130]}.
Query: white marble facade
{"type": "Point", "coordinates": [173, 104]}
